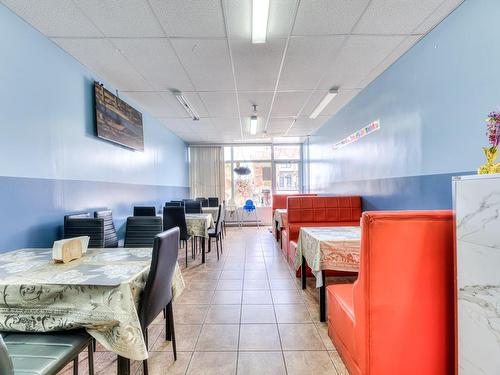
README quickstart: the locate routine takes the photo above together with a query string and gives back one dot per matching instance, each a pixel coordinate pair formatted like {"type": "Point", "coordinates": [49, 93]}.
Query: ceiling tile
{"type": "Point", "coordinates": [305, 126]}
{"type": "Point", "coordinates": [446, 7]}
{"type": "Point", "coordinates": [343, 97]}
{"type": "Point", "coordinates": [390, 59]}
{"type": "Point", "coordinates": [278, 126]}
{"type": "Point", "coordinates": [155, 59]}
{"type": "Point", "coordinates": [53, 18]}
{"type": "Point", "coordinates": [227, 125]}
{"type": "Point", "coordinates": [153, 103]}
{"type": "Point", "coordinates": [220, 104]}
{"type": "Point", "coordinates": [323, 17]}
{"type": "Point", "coordinates": [100, 56]}
{"type": "Point", "coordinates": [177, 125]}
{"type": "Point", "coordinates": [190, 18]}
{"type": "Point", "coordinates": [196, 102]}
{"type": "Point", "coordinates": [394, 16]}
{"type": "Point", "coordinates": [122, 18]}
{"type": "Point", "coordinates": [261, 99]}
{"type": "Point", "coordinates": [239, 18]}
{"type": "Point", "coordinates": [288, 104]}
{"type": "Point", "coordinates": [257, 65]}
{"type": "Point", "coordinates": [357, 58]}
{"type": "Point", "coordinates": [207, 63]}
{"type": "Point", "coordinates": [307, 60]}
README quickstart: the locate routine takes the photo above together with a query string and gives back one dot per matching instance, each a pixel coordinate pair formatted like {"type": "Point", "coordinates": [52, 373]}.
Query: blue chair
{"type": "Point", "coordinates": [249, 207]}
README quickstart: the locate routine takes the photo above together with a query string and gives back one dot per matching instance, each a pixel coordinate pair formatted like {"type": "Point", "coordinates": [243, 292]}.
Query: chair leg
{"type": "Point", "coordinates": [172, 329]}
{"type": "Point", "coordinates": [209, 244]}
{"type": "Point", "coordinates": [217, 244]}
{"type": "Point", "coordinates": [186, 255]}
{"type": "Point", "coordinates": [221, 245]}
{"type": "Point", "coordinates": [94, 344]}
{"type": "Point", "coordinates": [75, 365]}
{"type": "Point", "coordinates": [145, 370]}
{"type": "Point", "coordinates": [90, 357]}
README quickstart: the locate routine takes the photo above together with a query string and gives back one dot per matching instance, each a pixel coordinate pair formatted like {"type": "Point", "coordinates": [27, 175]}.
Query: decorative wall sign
{"type": "Point", "coordinates": [375, 125]}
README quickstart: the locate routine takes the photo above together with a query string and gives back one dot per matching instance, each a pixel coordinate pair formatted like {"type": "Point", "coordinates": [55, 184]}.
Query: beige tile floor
{"type": "Point", "coordinates": [244, 314]}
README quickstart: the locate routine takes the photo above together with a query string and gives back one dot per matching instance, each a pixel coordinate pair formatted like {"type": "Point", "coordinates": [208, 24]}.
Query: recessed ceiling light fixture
{"type": "Point", "coordinates": [186, 105]}
{"type": "Point", "coordinates": [253, 121]}
{"type": "Point", "coordinates": [260, 16]}
{"type": "Point", "coordinates": [332, 93]}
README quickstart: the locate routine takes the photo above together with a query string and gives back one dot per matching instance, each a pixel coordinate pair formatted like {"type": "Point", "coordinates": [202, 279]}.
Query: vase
{"type": "Point", "coordinates": [491, 154]}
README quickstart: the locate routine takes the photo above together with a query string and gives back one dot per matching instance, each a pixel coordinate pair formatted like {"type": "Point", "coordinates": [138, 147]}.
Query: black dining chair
{"type": "Point", "coordinates": [110, 236]}
{"type": "Point", "coordinates": [204, 201]}
{"type": "Point", "coordinates": [43, 353]}
{"type": "Point", "coordinates": [144, 211]}
{"type": "Point", "coordinates": [140, 231]}
{"type": "Point", "coordinates": [213, 202]}
{"type": "Point", "coordinates": [172, 204]}
{"type": "Point", "coordinates": [175, 217]}
{"type": "Point", "coordinates": [192, 207]}
{"type": "Point", "coordinates": [85, 226]}
{"type": "Point", "coordinates": [157, 295]}
{"type": "Point", "coordinates": [216, 233]}
{"type": "Point", "coordinates": [181, 203]}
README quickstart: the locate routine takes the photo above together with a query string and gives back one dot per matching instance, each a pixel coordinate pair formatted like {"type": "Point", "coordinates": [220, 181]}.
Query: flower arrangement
{"type": "Point", "coordinates": [491, 153]}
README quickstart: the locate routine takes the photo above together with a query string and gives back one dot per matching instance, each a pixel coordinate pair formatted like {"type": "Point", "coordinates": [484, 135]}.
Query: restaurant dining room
{"type": "Point", "coordinates": [249, 187]}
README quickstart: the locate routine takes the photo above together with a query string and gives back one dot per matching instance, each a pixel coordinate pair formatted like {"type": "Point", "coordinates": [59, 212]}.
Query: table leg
{"type": "Point", "coordinates": [303, 273]}
{"type": "Point", "coordinates": [123, 366]}
{"type": "Point", "coordinates": [322, 299]}
{"type": "Point", "coordinates": [203, 250]}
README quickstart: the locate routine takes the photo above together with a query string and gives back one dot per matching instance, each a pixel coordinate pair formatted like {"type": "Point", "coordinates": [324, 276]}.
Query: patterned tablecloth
{"type": "Point", "coordinates": [199, 224]}
{"type": "Point", "coordinates": [277, 216]}
{"type": "Point", "coordinates": [329, 248]}
{"type": "Point", "coordinates": [99, 292]}
{"type": "Point", "coordinates": [211, 210]}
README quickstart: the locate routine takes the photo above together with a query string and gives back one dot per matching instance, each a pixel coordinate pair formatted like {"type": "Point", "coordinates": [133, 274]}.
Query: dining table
{"type": "Point", "coordinates": [99, 292]}
{"type": "Point", "coordinates": [211, 210]}
{"type": "Point", "coordinates": [327, 248]}
{"type": "Point", "coordinates": [278, 221]}
{"type": "Point", "coordinates": [198, 226]}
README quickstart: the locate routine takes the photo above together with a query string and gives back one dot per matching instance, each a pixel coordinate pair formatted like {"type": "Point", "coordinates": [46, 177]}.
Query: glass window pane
{"type": "Point", "coordinates": [252, 152]}
{"type": "Point", "coordinates": [228, 181]}
{"type": "Point", "coordinates": [255, 186]}
{"type": "Point", "coordinates": [287, 152]}
{"type": "Point", "coordinates": [287, 177]}
{"type": "Point", "coordinates": [227, 153]}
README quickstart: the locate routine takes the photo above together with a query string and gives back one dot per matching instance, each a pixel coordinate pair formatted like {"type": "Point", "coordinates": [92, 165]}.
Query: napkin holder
{"type": "Point", "coordinates": [64, 251]}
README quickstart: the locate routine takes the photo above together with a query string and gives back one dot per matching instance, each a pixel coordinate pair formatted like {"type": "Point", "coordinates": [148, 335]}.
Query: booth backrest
{"type": "Point", "coordinates": [321, 211]}
{"type": "Point", "coordinates": [404, 293]}
{"type": "Point", "coordinates": [279, 200]}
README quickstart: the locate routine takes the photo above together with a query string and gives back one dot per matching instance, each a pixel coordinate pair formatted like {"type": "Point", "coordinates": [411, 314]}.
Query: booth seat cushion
{"type": "Point", "coordinates": [341, 322]}
{"type": "Point", "coordinates": [43, 353]}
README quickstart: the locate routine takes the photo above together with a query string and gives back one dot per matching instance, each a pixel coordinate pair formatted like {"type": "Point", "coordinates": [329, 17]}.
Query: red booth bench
{"type": "Point", "coordinates": [398, 317]}
{"type": "Point", "coordinates": [280, 201]}
{"type": "Point", "coordinates": [317, 212]}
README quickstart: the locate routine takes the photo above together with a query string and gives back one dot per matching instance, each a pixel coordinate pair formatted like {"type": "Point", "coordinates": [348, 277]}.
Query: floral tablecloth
{"type": "Point", "coordinates": [211, 210]}
{"type": "Point", "coordinates": [277, 216]}
{"type": "Point", "coordinates": [329, 248]}
{"type": "Point", "coordinates": [99, 292]}
{"type": "Point", "coordinates": [199, 224]}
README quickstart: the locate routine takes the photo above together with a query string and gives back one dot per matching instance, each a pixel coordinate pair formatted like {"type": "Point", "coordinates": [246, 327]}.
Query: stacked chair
{"type": "Point", "coordinates": [84, 225]}
{"type": "Point", "coordinates": [110, 236]}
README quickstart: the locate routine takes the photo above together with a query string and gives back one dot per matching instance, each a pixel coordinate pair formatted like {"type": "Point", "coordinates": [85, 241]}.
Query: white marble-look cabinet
{"type": "Point", "coordinates": [477, 207]}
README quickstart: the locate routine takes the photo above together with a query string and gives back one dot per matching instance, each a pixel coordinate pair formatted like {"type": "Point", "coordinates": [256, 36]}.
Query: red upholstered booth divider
{"type": "Point", "coordinates": [317, 212]}
{"type": "Point", "coordinates": [398, 317]}
{"type": "Point", "coordinates": [280, 201]}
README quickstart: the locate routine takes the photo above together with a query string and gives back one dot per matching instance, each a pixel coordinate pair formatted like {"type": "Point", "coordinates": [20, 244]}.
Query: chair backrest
{"type": "Point", "coordinates": [158, 289]}
{"type": "Point", "coordinates": [92, 227]}
{"type": "Point", "coordinates": [82, 215]}
{"type": "Point", "coordinates": [140, 231]}
{"type": "Point", "coordinates": [204, 201]}
{"type": "Point", "coordinates": [405, 288]}
{"type": "Point", "coordinates": [181, 203]}
{"type": "Point", "coordinates": [220, 219]}
{"type": "Point", "coordinates": [175, 217]}
{"type": "Point", "coordinates": [144, 211]}
{"type": "Point", "coordinates": [280, 200]}
{"type": "Point", "coordinates": [172, 204]}
{"type": "Point", "coordinates": [249, 203]}
{"type": "Point", "coordinates": [110, 236]}
{"type": "Point", "coordinates": [6, 366]}
{"type": "Point", "coordinates": [213, 201]}
{"type": "Point", "coordinates": [192, 207]}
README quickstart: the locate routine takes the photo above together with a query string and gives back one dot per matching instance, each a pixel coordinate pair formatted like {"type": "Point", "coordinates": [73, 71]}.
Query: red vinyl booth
{"type": "Point", "coordinates": [317, 212]}
{"type": "Point", "coordinates": [280, 201]}
{"type": "Point", "coordinates": [398, 317]}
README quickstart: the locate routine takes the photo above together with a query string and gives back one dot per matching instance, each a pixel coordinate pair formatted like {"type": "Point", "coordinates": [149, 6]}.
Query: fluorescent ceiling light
{"type": "Point", "coordinates": [332, 93]}
{"type": "Point", "coordinates": [260, 15]}
{"type": "Point", "coordinates": [253, 125]}
{"type": "Point", "coordinates": [187, 106]}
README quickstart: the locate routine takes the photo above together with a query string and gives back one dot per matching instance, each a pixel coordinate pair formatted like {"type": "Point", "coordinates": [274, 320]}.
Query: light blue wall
{"type": "Point", "coordinates": [48, 142]}
{"type": "Point", "coordinates": [431, 105]}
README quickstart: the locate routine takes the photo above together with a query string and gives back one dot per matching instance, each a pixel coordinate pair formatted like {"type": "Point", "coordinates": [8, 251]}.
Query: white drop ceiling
{"type": "Point", "coordinates": [148, 48]}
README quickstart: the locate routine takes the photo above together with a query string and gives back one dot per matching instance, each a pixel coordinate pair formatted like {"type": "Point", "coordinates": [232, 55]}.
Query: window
{"type": "Point", "coordinates": [272, 168]}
